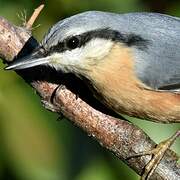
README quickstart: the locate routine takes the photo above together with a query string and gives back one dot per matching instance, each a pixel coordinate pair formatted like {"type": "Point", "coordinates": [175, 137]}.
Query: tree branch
{"type": "Point", "coordinates": [120, 137]}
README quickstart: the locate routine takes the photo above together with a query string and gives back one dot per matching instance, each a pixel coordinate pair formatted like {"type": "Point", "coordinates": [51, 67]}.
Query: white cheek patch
{"type": "Point", "coordinates": [67, 60]}
{"type": "Point", "coordinates": [67, 57]}
{"type": "Point", "coordinates": [93, 50]}
{"type": "Point", "coordinates": [72, 56]}
{"type": "Point", "coordinates": [97, 48]}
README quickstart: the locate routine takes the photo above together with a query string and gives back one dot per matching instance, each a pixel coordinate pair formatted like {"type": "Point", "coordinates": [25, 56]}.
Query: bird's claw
{"type": "Point", "coordinates": [158, 153]}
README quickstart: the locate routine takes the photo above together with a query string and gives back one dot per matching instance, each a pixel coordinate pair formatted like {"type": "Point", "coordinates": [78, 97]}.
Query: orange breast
{"type": "Point", "coordinates": [119, 88]}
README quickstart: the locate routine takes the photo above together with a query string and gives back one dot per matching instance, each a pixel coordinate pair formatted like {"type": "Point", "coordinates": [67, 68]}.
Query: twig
{"type": "Point", "coordinates": [34, 16]}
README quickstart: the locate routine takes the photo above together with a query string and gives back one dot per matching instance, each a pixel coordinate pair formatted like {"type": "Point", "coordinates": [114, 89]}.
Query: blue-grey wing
{"type": "Point", "coordinates": [158, 66]}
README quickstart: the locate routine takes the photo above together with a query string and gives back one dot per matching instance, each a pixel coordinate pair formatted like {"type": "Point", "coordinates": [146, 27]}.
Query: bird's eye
{"type": "Point", "coordinates": [73, 43]}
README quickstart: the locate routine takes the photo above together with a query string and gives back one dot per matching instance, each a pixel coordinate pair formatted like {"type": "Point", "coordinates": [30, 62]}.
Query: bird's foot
{"type": "Point", "coordinates": [158, 153]}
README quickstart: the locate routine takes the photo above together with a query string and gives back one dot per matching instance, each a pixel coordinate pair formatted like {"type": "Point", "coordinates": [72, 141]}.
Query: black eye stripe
{"type": "Point", "coordinates": [60, 47]}
{"type": "Point", "coordinates": [116, 36]}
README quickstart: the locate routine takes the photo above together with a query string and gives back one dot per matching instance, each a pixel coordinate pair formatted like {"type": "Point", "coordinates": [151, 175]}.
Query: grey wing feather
{"type": "Point", "coordinates": [159, 66]}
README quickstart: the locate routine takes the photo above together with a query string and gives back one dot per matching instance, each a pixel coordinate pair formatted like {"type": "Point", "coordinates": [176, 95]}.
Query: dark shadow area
{"type": "Point", "coordinates": [160, 6]}
{"type": "Point", "coordinates": [8, 173]}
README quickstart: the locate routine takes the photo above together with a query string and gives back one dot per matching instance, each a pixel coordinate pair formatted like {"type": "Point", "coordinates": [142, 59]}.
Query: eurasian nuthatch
{"type": "Point", "coordinates": [132, 60]}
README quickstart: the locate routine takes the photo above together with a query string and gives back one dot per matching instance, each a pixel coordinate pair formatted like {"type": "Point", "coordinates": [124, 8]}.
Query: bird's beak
{"type": "Point", "coordinates": [36, 58]}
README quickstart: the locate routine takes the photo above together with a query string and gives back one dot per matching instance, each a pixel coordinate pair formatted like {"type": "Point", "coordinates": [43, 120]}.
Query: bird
{"type": "Point", "coordinates": [131, 60]}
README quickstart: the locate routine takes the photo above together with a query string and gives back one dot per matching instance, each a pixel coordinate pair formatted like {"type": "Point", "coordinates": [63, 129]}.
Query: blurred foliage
{"type": "Point", "coordinates": [34, 146]}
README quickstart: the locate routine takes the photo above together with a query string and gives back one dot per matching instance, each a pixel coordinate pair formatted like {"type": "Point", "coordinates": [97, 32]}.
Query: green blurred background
{"type": "Point", "coordinates": [33, 145]}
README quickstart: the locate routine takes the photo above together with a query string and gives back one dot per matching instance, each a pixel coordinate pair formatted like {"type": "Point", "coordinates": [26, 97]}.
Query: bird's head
{"type": "Point", "coordinates": [80, 43]}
